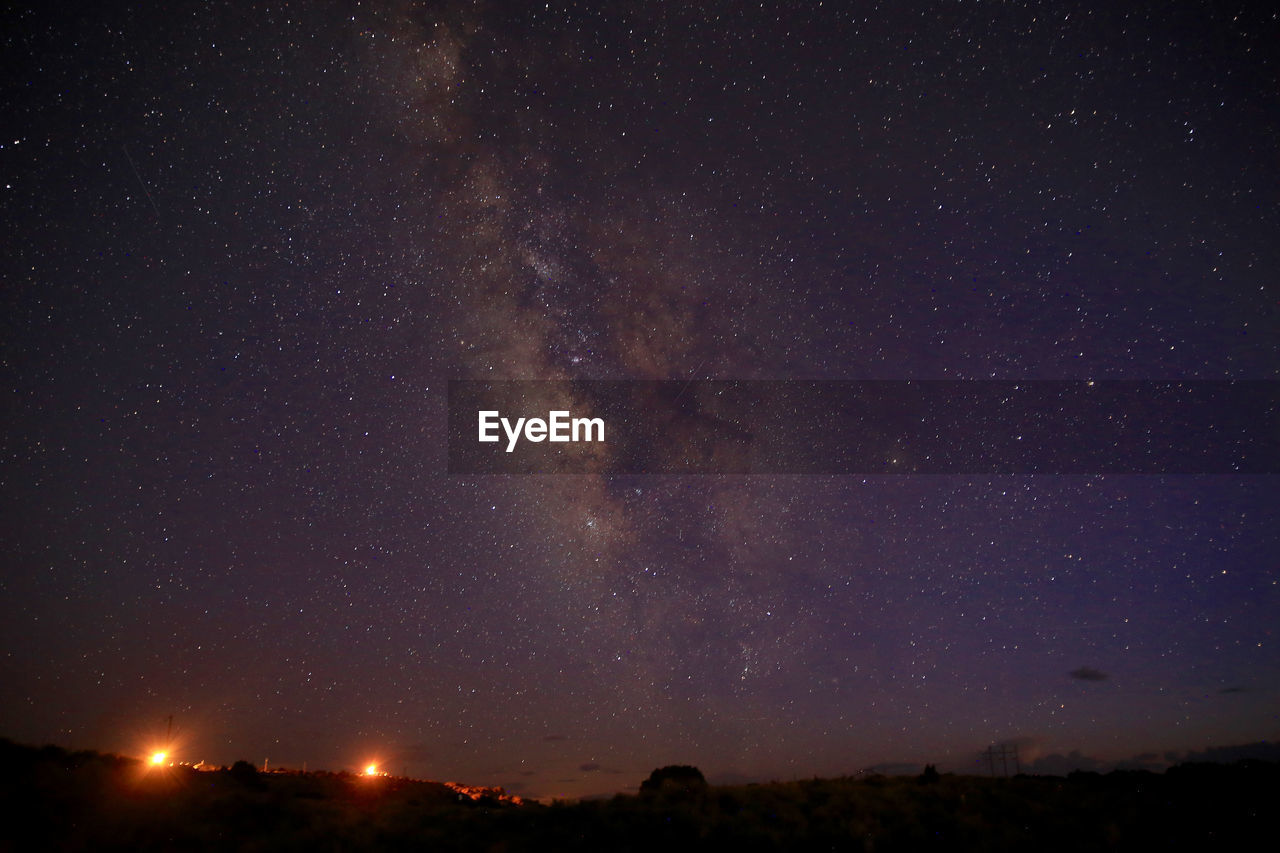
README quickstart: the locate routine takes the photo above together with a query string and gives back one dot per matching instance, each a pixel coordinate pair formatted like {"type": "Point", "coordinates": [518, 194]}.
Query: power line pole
{"type": "Point", "coordinates": [1004, 752]}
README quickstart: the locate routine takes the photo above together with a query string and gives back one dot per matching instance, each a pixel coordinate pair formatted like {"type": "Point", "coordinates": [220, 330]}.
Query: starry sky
{"type": "Point", "coordinates": [247, 246]}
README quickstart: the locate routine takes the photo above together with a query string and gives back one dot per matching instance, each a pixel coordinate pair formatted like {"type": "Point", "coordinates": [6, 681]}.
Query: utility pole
{"type": "Point", "coordinates": [1004, 752]}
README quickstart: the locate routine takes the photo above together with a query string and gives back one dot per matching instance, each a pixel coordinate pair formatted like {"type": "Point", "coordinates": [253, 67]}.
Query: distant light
{"type": "Point", "coordinates": [371, 770]}
{"type": "Point", "coordinates": [158, 758]}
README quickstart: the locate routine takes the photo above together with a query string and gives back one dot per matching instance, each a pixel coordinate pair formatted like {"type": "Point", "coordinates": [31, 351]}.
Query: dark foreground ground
{"type": "Point", "coordinates": [56, 800]}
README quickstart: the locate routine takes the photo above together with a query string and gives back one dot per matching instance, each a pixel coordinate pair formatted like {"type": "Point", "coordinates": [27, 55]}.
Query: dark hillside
{"type": "Point", "coordinates": [62, 800]}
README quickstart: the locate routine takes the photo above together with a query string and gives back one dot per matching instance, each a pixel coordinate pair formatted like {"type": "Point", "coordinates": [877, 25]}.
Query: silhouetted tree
{"type": "Point", "coordinates": [245, 773]}
{"type": "Point", "coordinates": [681, 777]}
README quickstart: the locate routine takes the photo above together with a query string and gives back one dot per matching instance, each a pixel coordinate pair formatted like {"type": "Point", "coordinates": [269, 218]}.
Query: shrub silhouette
{"type": "Point", "coordinates": [246, 774]}
{"type": "Point", "coordinates": [674, 777]}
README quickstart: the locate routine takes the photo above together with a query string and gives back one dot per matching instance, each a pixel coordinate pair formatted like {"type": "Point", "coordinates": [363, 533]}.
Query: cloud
{"type": "Point", "coordinates": [415, 752]}
{"type": "Point", "coordinates": [1057, 764]}
{"type": "Point", "coordinates": [1148, 761]}
{"type": "Point", "coordinates": [894, 768]}
{"type": "Point", "coordinates": [1060, 765]}
{"type": "Point", "coordinates": [1227, 690]}
{"type": "Point", "coordinates": [589, 767]}
{"type": "Point", "coordinates": [554, 738]}
{"type": "Point", "coordinates": [731, 777]}
{"type": "Point", "coordinates": [1088, 673]}
{"type": "Point", "coordinates": [1261, 750]}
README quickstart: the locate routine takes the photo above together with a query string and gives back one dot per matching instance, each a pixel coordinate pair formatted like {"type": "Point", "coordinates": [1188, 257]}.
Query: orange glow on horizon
{"type": "Point", "coordinates": [371, 770]}
{"type": "Point", "coordinates": [157, 758]}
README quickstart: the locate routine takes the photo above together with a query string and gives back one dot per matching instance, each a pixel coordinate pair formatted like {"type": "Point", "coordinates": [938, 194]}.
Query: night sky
{"type": "Point", "coordinates": [246, 246]}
